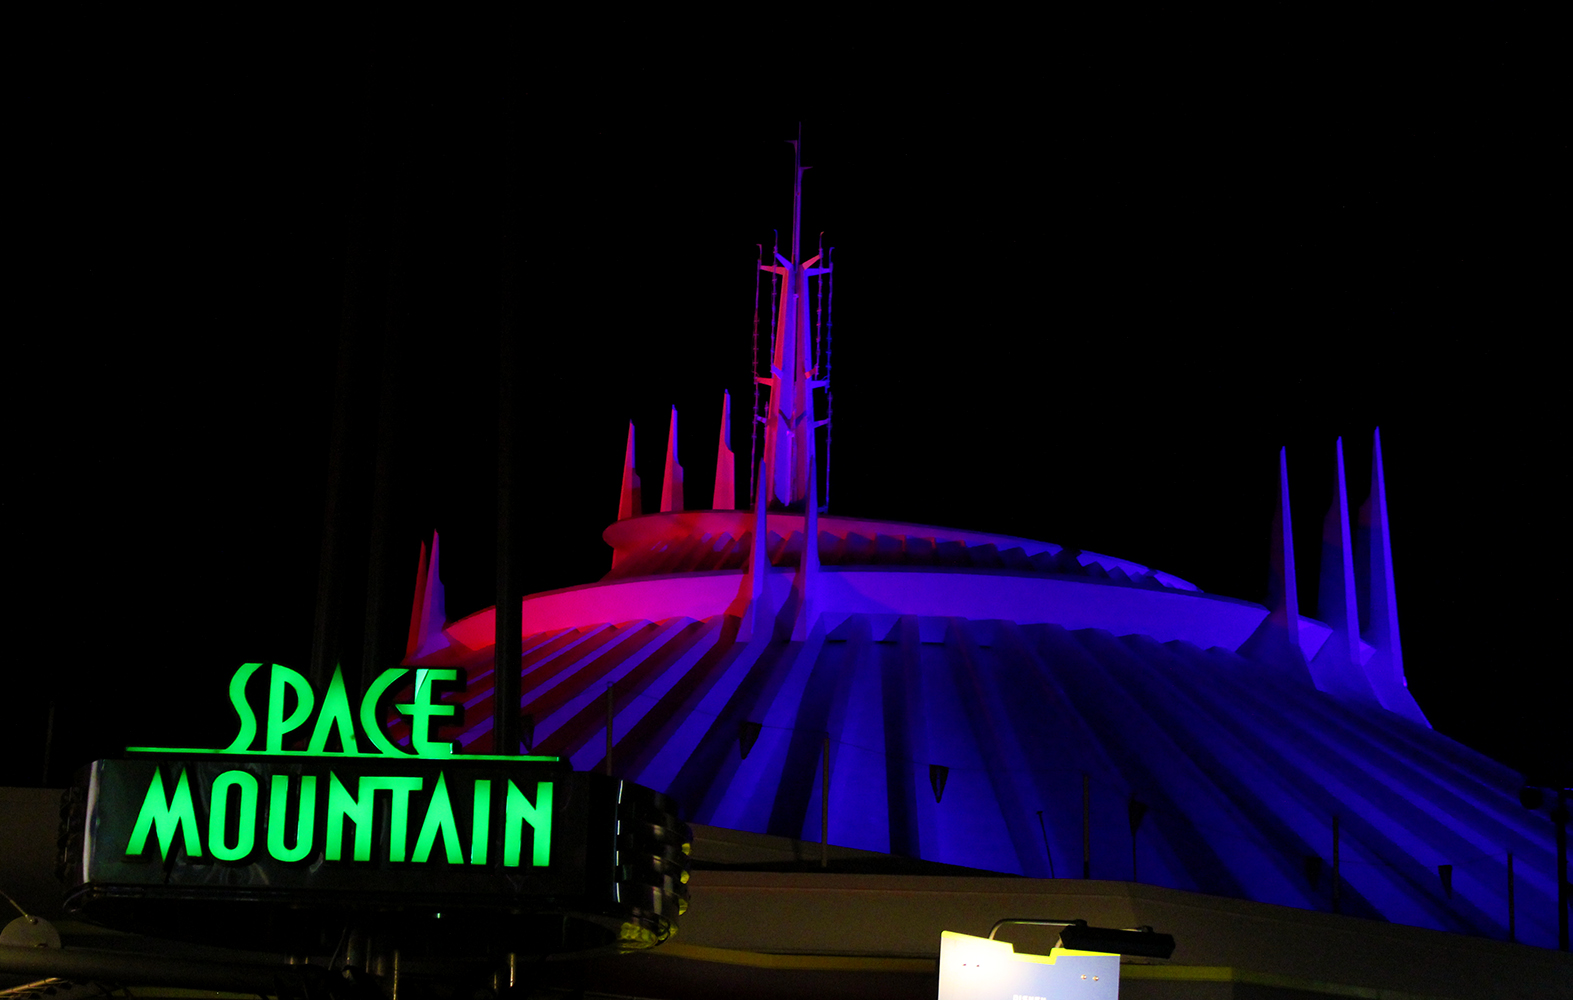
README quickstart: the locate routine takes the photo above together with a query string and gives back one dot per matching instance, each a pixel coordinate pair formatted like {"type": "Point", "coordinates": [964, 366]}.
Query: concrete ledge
{"type": "Point", "coordinates": [902, 917]}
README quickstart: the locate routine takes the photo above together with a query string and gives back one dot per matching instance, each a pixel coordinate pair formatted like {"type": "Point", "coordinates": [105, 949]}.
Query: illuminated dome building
{"type": "Point", "coordinates": [1002, 703]}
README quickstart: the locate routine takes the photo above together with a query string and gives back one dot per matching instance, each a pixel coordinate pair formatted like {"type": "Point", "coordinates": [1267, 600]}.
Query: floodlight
{"type": "Point", "coordinates": [1142, 941]}
{"type": "Point", "coordinates": [1078, 936]}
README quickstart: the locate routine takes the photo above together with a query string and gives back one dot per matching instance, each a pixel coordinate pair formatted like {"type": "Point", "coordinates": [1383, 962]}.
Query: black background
{"type": "Point", "coordinates": [1082, 296]}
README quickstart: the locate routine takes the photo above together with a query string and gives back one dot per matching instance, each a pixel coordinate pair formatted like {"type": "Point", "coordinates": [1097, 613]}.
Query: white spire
{"type": "Point", "coordinates": [725, 467]}
{"type": "Point", "coordinates": [628, 501]}
{"type": "Point", "coordinates": [672, 482]}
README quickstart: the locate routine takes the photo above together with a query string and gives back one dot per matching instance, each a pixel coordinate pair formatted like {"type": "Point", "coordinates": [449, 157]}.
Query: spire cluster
{"type": "Point", "coordinates": [1336, 654]}
{"type": "Point", "coordinates": [790, 416]}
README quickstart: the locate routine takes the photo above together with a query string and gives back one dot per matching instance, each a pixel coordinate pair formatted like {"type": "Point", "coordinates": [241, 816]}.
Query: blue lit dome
{"type": "Point", "coordinates": [974, 688]}
{"type": "Point", "coordinates": [1002, 703]}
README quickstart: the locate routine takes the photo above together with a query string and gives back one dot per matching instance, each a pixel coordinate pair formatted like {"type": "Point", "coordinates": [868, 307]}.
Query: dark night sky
{"type": "Point", "coordinates": [1089, 313]}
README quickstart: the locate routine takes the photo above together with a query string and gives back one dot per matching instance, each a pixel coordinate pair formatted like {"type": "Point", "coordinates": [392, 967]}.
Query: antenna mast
{"type": "Point", "coordinates": [790, 419]}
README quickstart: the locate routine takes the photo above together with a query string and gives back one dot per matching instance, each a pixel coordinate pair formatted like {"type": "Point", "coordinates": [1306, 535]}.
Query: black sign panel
{"type": "Point", "coordinates": [286, 851]}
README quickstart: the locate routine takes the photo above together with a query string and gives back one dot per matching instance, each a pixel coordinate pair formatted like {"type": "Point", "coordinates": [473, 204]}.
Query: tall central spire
{"type": "Point", "coordinates": [789, 418]}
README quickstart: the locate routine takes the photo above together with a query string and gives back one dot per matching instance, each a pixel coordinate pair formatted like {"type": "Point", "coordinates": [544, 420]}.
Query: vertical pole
{"type": "Point", "coordinates": [505, 980]}
{"type": "Point", "coordinates": [1086, 825]}
{"type": "Point", "coordinates": [332, 555]}
{"type": "Point", "coordinates": [824, 808]}
{"type": "Point", "coordinates": [509, 624]}
{"type": "Point", "coordinates": [378, 957]}
{"type": "Point", "coordinates": [355, 948]}
{"type": "Point", "coordinates": [1335, 863]}
{"type": "Point", "coordinates": [1045, 831]}
{"type": "Point", "coordinates": [1512, 917]}
{"type": "Point", "coordinates": [611, 712]}
{"type": "Point", "coordinates": [385, 492]}
{"type": "Point", "coordinates": [49, 740]}
{"type": "Point", "coordinates": [1134, 811]}
{"type": "Point", "coordinates": [1559, 816]}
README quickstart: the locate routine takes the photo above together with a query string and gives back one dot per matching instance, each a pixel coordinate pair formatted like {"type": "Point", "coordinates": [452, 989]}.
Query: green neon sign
{"type": "Point", "coordinates": [169, 819]}
{"type": "Point", "coordinates": [351, 812]}
{"type": "Point", "coordinates": [292, 706]}
{"type": "Point", "coordinates": [278, 805]}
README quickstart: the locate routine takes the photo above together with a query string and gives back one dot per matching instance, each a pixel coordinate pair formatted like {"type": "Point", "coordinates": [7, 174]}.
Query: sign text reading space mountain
{"type": "Point", "coordinates": [311, 812]}
{"type": "Point", "coordinates": [232, 829]}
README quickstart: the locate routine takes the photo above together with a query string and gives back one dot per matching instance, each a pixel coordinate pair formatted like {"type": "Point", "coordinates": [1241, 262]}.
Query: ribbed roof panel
{"type": "Point", "coordinates": [1238, 767]}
